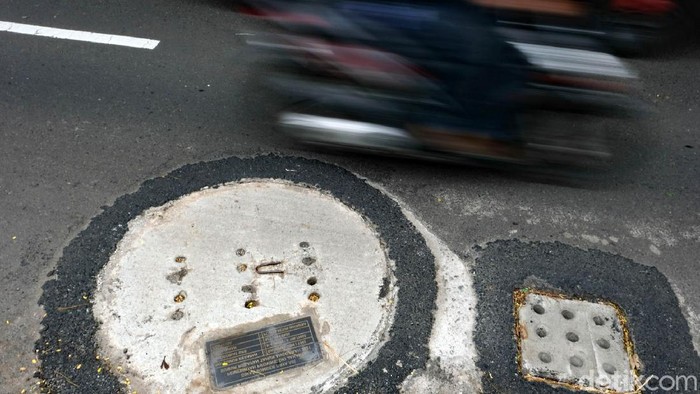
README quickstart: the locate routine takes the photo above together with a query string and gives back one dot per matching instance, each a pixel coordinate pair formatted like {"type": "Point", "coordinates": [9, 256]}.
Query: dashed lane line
{"type": "Point", "coordinates": [77, 35]}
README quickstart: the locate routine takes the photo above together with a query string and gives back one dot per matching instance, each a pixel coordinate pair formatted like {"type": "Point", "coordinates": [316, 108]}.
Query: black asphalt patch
{"type": "Point", "coordinates": [659, 330]}
{"type": "Point", "coordinates": [67, 347]}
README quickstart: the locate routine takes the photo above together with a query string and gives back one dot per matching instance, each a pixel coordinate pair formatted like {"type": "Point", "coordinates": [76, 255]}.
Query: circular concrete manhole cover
{"type": "Point", "coordinates": [237, 258]}
{"type": "Point", "coordinates": [266, 274]}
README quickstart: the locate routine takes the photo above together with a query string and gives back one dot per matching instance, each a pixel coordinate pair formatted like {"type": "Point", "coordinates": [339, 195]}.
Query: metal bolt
{"type": "Point", "coordinates": [304, 244]}
{"type": "Point", "coordinates": [313, 297]}
{"type": "Point", "coordinates": [241, 267]}
{"type": "Point", "coordinates": [240, 252]}
{"type": "Point", "coordinates": [180, 297]}
{"type": "Point", "coordinates": [251, 304]}
{"type": "Point", "coordinates": [180, 259]}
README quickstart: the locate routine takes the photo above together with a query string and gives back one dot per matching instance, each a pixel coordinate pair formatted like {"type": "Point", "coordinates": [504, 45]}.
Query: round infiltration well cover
{"type": "Point", "coordinates": [257, 286]}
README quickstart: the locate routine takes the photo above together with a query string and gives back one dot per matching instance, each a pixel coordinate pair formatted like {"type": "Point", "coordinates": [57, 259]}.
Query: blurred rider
{"type": "Point", "coordinates": [480, 74]}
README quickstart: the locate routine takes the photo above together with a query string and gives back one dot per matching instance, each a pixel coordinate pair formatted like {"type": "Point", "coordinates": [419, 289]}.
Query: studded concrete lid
{"type": "Point", "coordinates": [576, 343]}
{"type": "Point", "coordinates": [237, 260]}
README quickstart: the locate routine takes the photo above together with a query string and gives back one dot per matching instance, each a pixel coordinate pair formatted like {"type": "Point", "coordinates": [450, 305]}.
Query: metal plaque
{"type": "Point", "coordinates": [260, 353]}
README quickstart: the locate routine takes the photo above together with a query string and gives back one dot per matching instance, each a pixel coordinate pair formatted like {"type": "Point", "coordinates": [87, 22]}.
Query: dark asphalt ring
{"type": "Point", "coordinates": [68, 337]}
{"type": "Point", "coordinates": [659, 330]}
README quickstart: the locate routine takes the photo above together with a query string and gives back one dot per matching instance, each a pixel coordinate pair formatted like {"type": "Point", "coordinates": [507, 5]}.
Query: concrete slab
{"type": "Point", "coordinates": [662, 342]}
{"type": "Point", "coordinates": [574, 342]}
{"type": "Point", "coordinates": [228, 259]}
{"type": "Point", "coordinates": [70, 350]}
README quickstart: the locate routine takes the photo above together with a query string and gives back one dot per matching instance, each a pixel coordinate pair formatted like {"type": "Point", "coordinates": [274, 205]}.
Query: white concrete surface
{"type": "Point", "coordinates": [575, 342]}
{"type": "Point", "coordinates": [452, 368]}
{"type": "Point", "coordinates": [268, 219]}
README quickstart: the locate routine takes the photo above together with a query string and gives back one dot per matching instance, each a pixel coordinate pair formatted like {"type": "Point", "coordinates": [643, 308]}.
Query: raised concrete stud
{"type": "Point", "coordinates": [574, 343]}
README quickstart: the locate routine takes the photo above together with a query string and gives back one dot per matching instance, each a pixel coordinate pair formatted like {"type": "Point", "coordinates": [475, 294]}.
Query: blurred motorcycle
{"type": "Point", "coordinates": [381, 88]}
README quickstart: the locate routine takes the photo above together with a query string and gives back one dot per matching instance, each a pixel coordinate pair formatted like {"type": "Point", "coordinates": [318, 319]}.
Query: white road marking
{"type": "Point", "coordinates": [78, 35]}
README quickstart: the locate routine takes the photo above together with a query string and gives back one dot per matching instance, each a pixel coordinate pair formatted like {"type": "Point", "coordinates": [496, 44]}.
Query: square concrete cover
{"type": "Point", "coordinates": [574, 342]}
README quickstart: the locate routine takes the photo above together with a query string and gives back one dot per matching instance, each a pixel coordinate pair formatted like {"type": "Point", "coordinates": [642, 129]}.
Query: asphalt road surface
{"type": "Point", "coordinates": [83, 123]}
